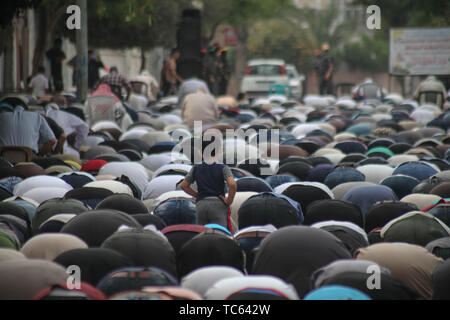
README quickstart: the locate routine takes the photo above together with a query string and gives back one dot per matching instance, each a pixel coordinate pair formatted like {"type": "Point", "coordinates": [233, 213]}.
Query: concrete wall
{"type": "Point", "coordinates": [127, 61]}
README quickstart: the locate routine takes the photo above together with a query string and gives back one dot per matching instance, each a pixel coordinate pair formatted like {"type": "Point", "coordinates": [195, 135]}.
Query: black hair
{"type": "Point", "coordinates": [41, 69]}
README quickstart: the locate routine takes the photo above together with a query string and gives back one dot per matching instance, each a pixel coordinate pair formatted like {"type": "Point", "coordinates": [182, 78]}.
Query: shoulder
{"type": "Point", "coordinates": [227, 172]}
{"type": "Point", "coordinates": [196, 168]}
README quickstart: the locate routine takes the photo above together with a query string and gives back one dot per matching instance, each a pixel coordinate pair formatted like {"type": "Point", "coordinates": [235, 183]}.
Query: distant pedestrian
{"type": "Point", "coordinates": [325, 70]}
{"type": "Point", "coordinates": [224, 72]}
{"type": "Point", "coordinates": [169, 75]}
{"type": "Point", "coordinates": [317, 54]}
{"type": "Point", "coordinates": [94, 65]}
{"type": "Point", "coordinates": [56, 57]}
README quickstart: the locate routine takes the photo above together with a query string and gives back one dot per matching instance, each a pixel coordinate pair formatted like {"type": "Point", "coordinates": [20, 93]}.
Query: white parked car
{"type": "Point", "coordinates": [295, 81]}
{"type": "Point", "coordinates": [261, 74]}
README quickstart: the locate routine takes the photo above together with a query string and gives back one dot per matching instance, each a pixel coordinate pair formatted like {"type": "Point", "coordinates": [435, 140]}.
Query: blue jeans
{"type": "Point", "coordinates": [278, 180]}
{"type": "Point", "coordinates": [248, 245]}
{"type": "Point", "coordinates": [177, 211]}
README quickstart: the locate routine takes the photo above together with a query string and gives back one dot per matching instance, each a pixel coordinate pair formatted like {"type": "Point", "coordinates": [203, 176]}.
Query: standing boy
{"type": "Point", "coordinates": [210, 176]}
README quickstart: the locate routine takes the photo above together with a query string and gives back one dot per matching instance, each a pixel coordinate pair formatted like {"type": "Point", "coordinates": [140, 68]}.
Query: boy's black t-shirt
{"type": "Point", "coordinates": [210, 179]}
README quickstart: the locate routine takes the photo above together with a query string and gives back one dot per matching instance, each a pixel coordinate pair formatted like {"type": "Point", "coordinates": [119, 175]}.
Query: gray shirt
{"type": "Point", "coordinates": [39, 84]}
{"type": "Point", "coordinates": [24, 129]}
{"type": "Point", "coordinates": [190, 86]}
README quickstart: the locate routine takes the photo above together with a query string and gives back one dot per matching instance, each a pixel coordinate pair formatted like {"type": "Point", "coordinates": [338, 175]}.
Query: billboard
{"type": "Point", "coordinates": [419, 51]}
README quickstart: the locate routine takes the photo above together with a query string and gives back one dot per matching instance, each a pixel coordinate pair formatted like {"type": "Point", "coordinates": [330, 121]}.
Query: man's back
{"type": "Point", "coordinates": [24, 128]}
{"type": "Point", "coordinates": [116, 81]}
{"type": "Point", "coordinates": [69, 123]}
{"type": "Point", "coordinates": [431, 84]}
{"type": "Point", "coordinates": [210, 179]}
{"type": "Point", "coordinates": [190, 86]}
{"type": "Point", "coordinates": [199, 106]}
{"type": "Point", "coordinates": [39, 84]}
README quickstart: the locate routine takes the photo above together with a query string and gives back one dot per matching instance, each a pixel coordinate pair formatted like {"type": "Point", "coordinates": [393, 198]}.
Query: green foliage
{"type": "Point", "coordinates": [245, 12]}
{"type": "Point", "coordinates": [411, 13]}
{"type": "Point", "coordinates": [371, 53]}
{"type": "Point", "coordinates": [239, 12]}
{"type": "Point", "coordinates": [132, 12]}
{"type": "Point", "coordinates": [122, 24]}
{"type": "Point", "coordinates": [295, 33]}
{"type": "Point", "coordinates": [275, 39]}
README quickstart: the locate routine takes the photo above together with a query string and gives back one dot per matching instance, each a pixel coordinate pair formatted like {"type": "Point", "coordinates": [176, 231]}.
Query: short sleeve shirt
{"type": "Point", "coordinates": [39, 84]}
{"type": "Point", "coordinates": [226, 174]}
{"type": "Point", "coordinates": [24, 129]}
{"type": "Point", "coordinates": [210, 179]}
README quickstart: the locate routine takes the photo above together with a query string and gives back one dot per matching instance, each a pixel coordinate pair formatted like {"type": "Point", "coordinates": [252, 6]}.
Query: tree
{"type": "Point", "coordinates": [10, 8]}
{"type": "Point", "coordinates": [295, 33]}
{"type": "Point", "coordinates": [241, 14]}
{"type": "Point", "coordinates": [49, 15]}
{"type": "Point", "coordinates": [133, 23]}
{"type": "Point", "coordinates": [411, 13]}
{"type": "Point", "coordinates": [371, 52]}
{"type": "Point", "coordinates": [112, 24]}
{"type": "Point", "coordinates": [275, 39]}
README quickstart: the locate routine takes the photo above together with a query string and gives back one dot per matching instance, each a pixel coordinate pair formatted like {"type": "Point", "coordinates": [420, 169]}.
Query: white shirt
{"type": "Point", "coordinates": [134, 171]}
{"type": "Point", "coordinates": [228, 286]}
{"type": "Point", "coordinates": [38, 182]}
{"type": "Point", "coordinates": [42, 194]}
{"type": "Point", "coordinates": [161, 185]}
{"type": "Point", "coordinates": [69, 123]}
{"type": "Point", "coordinates": [39, 84]}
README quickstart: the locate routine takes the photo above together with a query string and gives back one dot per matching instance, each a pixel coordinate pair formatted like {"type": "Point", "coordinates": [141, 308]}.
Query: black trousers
{"type": "Point", "coordinates": [326, 86]}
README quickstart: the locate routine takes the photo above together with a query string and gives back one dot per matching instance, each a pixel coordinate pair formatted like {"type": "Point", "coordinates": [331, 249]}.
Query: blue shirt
{"type": "Point", "coordinates": [22, 128]}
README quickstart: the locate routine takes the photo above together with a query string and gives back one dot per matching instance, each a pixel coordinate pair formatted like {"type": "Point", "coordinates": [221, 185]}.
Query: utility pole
{"type": "Point", "coordinates": [82, 53]}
